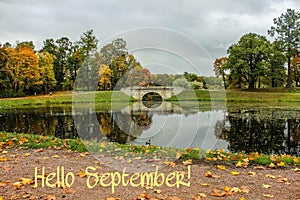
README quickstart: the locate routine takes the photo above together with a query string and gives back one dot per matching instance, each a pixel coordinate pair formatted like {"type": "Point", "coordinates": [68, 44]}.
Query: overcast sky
{"type": "Point", "coordinates": [213, 24]}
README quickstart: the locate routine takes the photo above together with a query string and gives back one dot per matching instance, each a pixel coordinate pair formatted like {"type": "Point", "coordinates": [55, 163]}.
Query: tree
{"type": "Point", "coordinates": [247, 59]}
{"type": "Point", "coordinates": [115, 56]}
{"type": "Point", "coordinates": [219, 69]}
{"type": "Point", "coordinates": [287, 32]}
{"type": "Point", "coordinates": [295, 68]}
{"type": "Point", "coordinates": [111, 51]}
{"type": "Point", "coordinates": [276, 74]}
{"type": "Point", "coordinates": [46, 71]}
{"type": "Point", "coordinates": [88, 43]}
{"type": "Point", "coordinates": [105, 77]}
{"type": "Point", "coordinates": [28, 44]}
{"type": "Point", "coordinates": [62, 75]}
{"type": "Point", "coordinates": [22, 69]}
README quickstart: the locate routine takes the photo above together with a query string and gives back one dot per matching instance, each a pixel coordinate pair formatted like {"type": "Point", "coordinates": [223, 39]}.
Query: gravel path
{"type": "Point", "coordinates": [17, 178]}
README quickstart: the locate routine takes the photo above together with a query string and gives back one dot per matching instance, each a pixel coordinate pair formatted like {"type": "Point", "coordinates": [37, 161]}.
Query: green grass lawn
{"type": "Point", "coordinates": [66, 97]}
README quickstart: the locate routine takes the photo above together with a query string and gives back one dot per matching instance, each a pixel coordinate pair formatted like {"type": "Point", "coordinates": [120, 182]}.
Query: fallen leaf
{"type": "Point", "coordinates": [281, 164]}
{"type": "Point", "coordinates": [17, 185]}
{"type": "Point", "coordinates": [172, 164]}
{"type": "Point", "coordinates": [296, 160]}
{"type": "Point", "coordinates": [272, 166]}
{"type": "Point", "coordinates": [81, 174]}
{"type": "Point", "coordinates": [55, 156]}
{"type": "Point", "coordinates": [266, 186]}
{"type": "Point", "coordinates": [235, 190]}
{"type": "Point", "coordinates": [27, 154]}
{"type": "Point", "coordinates": [26, 181]}
{"type": "Point", "coordinates": [175, 198]}
{"type": "Point", "coordinates": [252, 173]}
{"type": "Point", "coordinates": [68, 191]}
{"type": "Point", "coordinates": [204, 184]}
{"type": "Point", "coordinates": [188, 162]}
{"type": "Point", "coordinates": [239, 164]}
{"type": "Point", "coordinates": [221, 167]}
{"type": "Point", "coordinates": [270, 176]}
{"type": "Point", "coordinates": [198, 196]}
{"type": "Point", "coordinates": [39, 150]}
{"type": "Point", "coordinates": [157, 191]}
{"type": "Point", "coordinates": [234, 173]}
{"type": "Point", "coordinates": [280, 179]}
{"type": "Point", "coordinates": [268, 195]}
{"type": "Point", "coordinates": [112, 198]}
{"type": "Point", "coordinates": [3, 159]}
{"type": "Point", "coordinates": [296, 170]}
{"type": "Point", "coordinates": [218, 193]}
{"type": "Point", "coordinates": [210, 175]}
{"type": "Point", "coordinates": [50, 197]}
{"type": "Point", "coordinates": [4, 183]}
{"type": "Point", "coordinates": [259, 167]}
{"type": "Point", "coordinates": [227, 189]}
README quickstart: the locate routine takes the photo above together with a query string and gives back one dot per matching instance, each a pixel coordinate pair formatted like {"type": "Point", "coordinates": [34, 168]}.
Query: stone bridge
{"type": "Point", "coordinates": [165, 92]}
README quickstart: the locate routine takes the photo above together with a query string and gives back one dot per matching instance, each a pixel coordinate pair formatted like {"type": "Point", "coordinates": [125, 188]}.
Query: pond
{"type": "Point", "coordinates": [262, 129]}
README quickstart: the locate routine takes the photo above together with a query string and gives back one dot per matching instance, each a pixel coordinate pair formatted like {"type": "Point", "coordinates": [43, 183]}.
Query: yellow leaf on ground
{"type": "Point", "coordinates": [280, 179]}
{"type": "Point", "coordinates": [204, 184]}
{"type": "Point", "coordinates": [3, 159]}
{"type": "Point", "coordinates": [199, 196]}
{"type": "Point", "coordinates": [157, 191]}
{"type": "Point", "coordinates": [252, 173]}
{"type": "Point", "coordinates": [27, 154]}
{"type": "Point", "coordinates": [268, 195]}
{"type": "Point", "coordinates": [270, 176]}
{"type": "Point", "coordinates": [218, 193]}
{"type": "Point", "coordinates": [4, 183]}
{"type": "Point", "coordinates": [17, 185]}
{"type": "Point", "coordinates": [50, 197]}
{"type": "Point", "coordinates": [210, 175]}
{"type": "Point", "coordinates": [281, 164]}
{"type": "Point", "coordinates": [296, 160]}
{"type": "Point", "coordinates": [239, 164]}
{"type": "Point", "coordinates": [55, 156]}
{"type": "Point", "coordinates": [272, 166]}
{"type": "Point", "coordinates": [188, 162]}
{"type": "Point", "coordinates": [296, 169]}
{"type": "Point", "coordinates": [221, 167]}
{"type": "Point", "coordinates": [235, 190]}
{"type": "Point", "coordinates": [266, 186]}
{"type": "Point", "coordinates": [233, 173]}
{"type": "Point", "coordinates": [26, 181]}
{"type": "Point", "coordinates": [227, 189]}
{"type": "Point", "coordinates": [81, 174]}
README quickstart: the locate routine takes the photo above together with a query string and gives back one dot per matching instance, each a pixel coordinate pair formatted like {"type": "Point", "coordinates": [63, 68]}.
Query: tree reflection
{"type": "Point", "coordinates": [250, 133]}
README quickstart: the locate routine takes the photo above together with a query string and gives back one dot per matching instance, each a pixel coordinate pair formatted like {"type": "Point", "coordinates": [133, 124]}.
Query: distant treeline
{"type": "Point", "coordinates": [255, 62]}
{"type": "Point", "coordinates": [61, 64]}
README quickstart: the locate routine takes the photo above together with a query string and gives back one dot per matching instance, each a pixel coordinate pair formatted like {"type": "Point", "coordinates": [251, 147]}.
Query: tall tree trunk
{"type": "Point", "coordinates": [288, 84]}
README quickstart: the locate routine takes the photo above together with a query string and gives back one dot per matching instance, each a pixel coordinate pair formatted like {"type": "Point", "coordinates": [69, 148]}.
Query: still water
{"type": "Point", "coordinates": [266, 130]}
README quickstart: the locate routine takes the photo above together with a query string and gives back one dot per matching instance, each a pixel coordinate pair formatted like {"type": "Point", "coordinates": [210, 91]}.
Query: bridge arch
{"type": "Point", "coordinates": [164, 91]}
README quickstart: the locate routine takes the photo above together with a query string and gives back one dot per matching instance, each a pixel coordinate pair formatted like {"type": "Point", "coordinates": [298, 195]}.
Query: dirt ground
{"type": "Point", "coordinates": [19, 181]}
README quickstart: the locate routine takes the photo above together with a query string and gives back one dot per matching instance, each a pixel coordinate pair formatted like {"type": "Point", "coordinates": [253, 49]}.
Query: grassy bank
{"type": "Point", "coordinates": [29, 141]}
{"type": "Point", "coordinates": [58, 98]}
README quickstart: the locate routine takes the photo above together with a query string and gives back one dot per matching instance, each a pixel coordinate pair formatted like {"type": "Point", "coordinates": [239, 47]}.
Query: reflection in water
{"type": "Point", "coordinates": [166, 125]}
{"type": "Point", "coordinates": [250, 132]}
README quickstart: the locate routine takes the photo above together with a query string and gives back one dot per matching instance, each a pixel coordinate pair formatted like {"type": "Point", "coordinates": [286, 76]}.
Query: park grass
{"type": "Point", "coordinates": [108, 97]}
{"type": "Point", "coordinates": [31, 141]}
